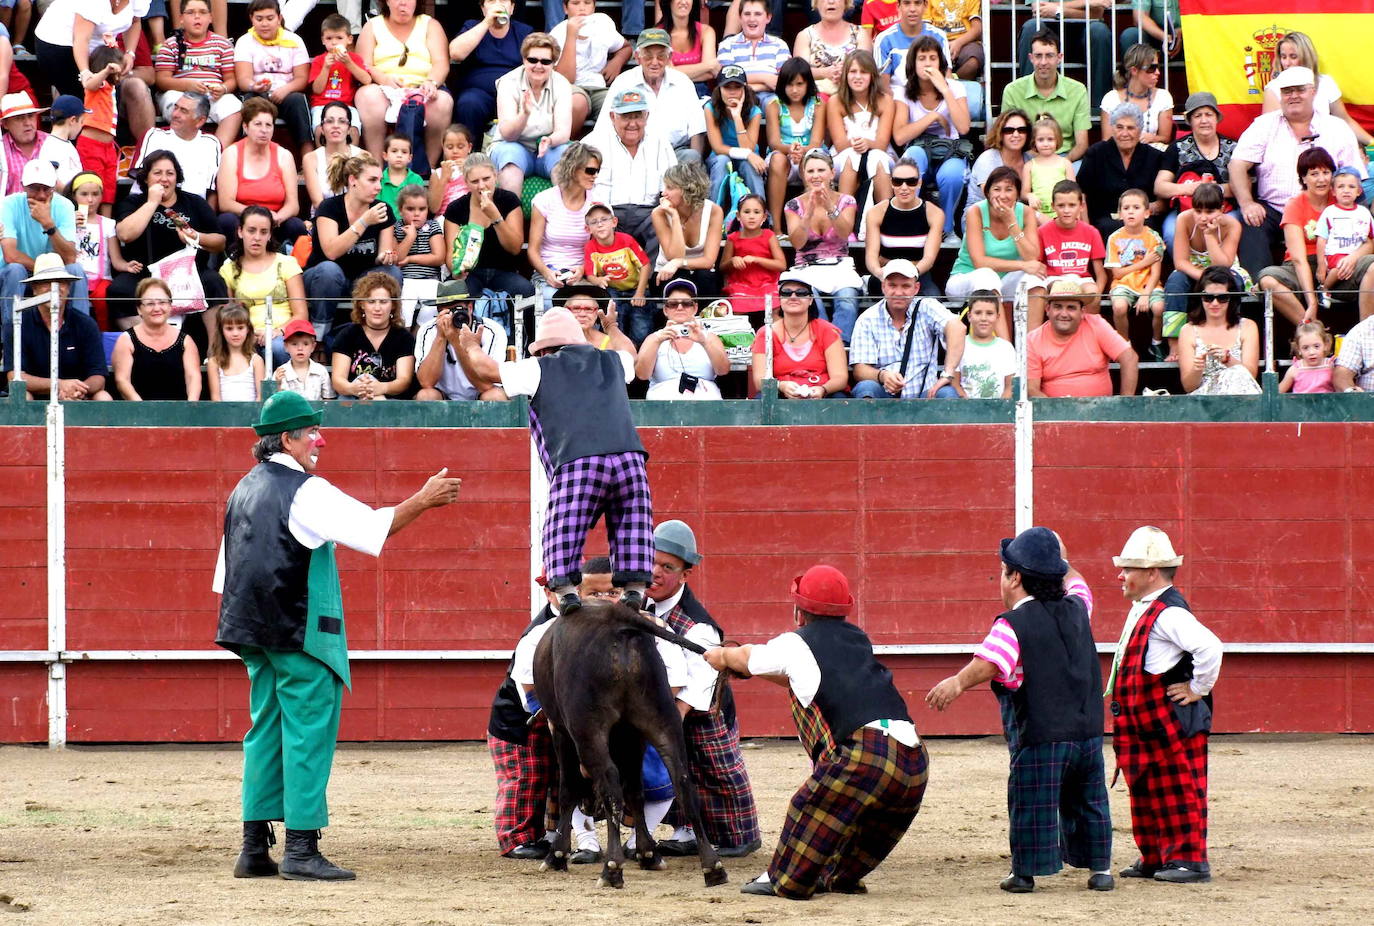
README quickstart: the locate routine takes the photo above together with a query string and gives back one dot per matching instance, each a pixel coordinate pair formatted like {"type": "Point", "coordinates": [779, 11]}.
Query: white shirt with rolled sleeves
{"type": "Point", "coordinates": [788, 655]}
{"type": "Point", "coordinates": [321, 513]}
{"type": "Point", "coordinates": [675, 112]}
{"type": "Point", "coordinates": [453, 382]}
{"type": "Point", "coordinates": [522, 377]}
{"type": "Point", "coordinates": [522, 665]}
{"type": "Point", "coordinates": [699, 689]}
{"type": "Point", "coordinates": [626, 179]}
{"type": "Point", "coordinates": [1175, 632]}
{"type": "Point", "coordinates": [1270, 145]}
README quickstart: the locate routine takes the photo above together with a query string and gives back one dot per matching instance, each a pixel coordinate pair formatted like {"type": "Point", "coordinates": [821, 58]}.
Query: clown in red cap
{"type": "Point", "coordinates": [869, 765]}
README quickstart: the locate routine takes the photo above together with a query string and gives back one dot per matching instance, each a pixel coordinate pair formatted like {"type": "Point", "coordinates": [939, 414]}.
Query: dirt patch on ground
{"type": "Point", "coordinates": [149, 836]}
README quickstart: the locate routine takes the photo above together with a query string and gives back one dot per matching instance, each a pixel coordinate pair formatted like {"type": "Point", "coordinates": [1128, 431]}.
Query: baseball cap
{"type": "Point", "coordinates": [903, 266]}
{"type": "Point", "coordinates": [40, 172]}
{"type": "Point", "coordinates": [66, 106]}
{"type": "Point", "coordinates": [629, 101]}
{"type": "Point", "coordinates": [653, 37]}
{"type": "Point", "coordinates": [1294, 77]}
{"type": "Point", "coordinates": [297, 326]}
{"type": "Point", "coordinates": [732, 74]}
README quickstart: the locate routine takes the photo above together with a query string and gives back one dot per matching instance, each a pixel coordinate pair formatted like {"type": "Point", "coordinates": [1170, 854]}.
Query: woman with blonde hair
{"type": "Point", "coordinates": [373, 357]}
{"type": "Point", "coordinates": [689, 228]}
{"type": "Point", "coordinates": [558, 219]}
{"type": "Point", "coordinates": [484, 232]}
{"type": "Point", "coordinates": [1296, 50]}
{"type": "Point", "coordinates": [1137, 81]}
{"type": "Point", "coordinates": [154, 359]}
{"type": "Point", "coordinates": [353, 234]}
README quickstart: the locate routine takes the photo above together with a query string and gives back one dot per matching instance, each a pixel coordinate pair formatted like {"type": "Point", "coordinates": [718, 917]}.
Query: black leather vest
{"type": "Point", "coordinates": [855, 687]}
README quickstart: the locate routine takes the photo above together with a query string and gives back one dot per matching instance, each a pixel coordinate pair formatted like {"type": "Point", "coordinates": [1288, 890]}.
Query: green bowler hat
{"type": "Point", "coordinates": [285, 411]}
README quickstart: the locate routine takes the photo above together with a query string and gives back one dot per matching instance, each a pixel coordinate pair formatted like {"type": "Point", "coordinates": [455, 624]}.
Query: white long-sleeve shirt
{"type": "Point", "coordinates": [1176, 631]}
{"type": "Point", "coordinates": [700, 686]}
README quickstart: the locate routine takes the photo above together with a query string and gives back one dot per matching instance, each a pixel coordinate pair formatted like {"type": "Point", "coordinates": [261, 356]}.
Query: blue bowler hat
{"type": "Point", "coordinates": [1035, 551]}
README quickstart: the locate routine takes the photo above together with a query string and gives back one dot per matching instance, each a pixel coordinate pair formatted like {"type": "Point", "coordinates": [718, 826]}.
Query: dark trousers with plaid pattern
{"type": "Point", "coordinates": [1057, 803]}
{"type": "Point", "coordinates": [717, 767]}
{"type": "Point", "coordinates": [1167, 778]}
{"type": "Point", "coordinates": [614, 485]}
{"type": "Point", "coordinates": [849, 814]}
{"type": "Point", "coordinates": [526, 788]}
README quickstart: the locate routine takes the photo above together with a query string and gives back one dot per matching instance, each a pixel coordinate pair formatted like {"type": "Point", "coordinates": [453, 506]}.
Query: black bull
{"type": "Point", "coordinates": [605, 691]}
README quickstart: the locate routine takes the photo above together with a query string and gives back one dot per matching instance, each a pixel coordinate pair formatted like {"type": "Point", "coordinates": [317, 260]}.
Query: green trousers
{"type": "Point", "coordinates": [294, 701]}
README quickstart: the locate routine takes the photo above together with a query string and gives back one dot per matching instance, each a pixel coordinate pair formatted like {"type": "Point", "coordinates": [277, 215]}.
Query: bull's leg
{"type": "Point", "coordinates": [672, 747]}
{"type": "Point", "coordinates": [557, 859]}
{"type": "Point", "coordinates": [631, 765]}
{"type": "Point", "coordinates": [596, 757]}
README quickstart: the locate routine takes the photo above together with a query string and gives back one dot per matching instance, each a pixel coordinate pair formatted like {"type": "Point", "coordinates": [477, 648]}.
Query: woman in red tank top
{"type": "Point", "coordinates": [256, 171]}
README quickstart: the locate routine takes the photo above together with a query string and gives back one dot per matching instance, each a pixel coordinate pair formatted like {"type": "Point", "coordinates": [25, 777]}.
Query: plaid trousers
{"type": "Point", "coordinates": [580, 492]}
{"type": "Point", "coordinates": [728, 811]}
{"type": "Point", "coordinates": [526, 788]}
{"type": "Point", "coordinates": [1168, 784]}
{"type": "Point", "coordinates": [1057, 803]}
{"type": "Point", "coordinates": [849, 814]}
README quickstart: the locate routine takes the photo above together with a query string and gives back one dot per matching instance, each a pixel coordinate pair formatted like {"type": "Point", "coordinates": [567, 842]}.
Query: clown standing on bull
{"type": "Point", "coordinates": [581, 424]}
{"type": "Point", "coordinates": [1160, 691]}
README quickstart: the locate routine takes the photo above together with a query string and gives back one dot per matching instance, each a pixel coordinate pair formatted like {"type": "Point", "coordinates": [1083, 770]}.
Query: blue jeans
{"type": "Point", "coordinates": [514, 153]}
{"type": "Point", "coordinates": [631, 16]}
{"type": "Point", "coordinates": [637, 321]}
{"type": "Point", "coordinates": [973, 90]}
{"type": "Point", "coordinates": [949, 180]}
{"type": "Point", "coordinates": [1170, 225]}
{"type": "Point", "coordinates": [499, 286]}
{"type": "Point", "coordinates": [840, 308]}
{"type": "Point", "coordinates": [871, 389]}
{"type": "Point", "coordinates": [719, 165]}
{"type": "Point", "coordinates": [12, 278]}
{"type": "Point", "coordinates": [1176, 291]}
{"type": "Point", "coordinates": [325, 285]}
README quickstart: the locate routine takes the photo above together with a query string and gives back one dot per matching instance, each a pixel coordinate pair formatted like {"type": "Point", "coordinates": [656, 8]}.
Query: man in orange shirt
{"type": "Point", "coordinates": [1069, 354]}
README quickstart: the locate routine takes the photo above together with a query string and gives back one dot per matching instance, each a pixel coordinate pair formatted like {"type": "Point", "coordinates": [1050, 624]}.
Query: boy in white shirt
{"type": "Point", "coordinates": [301, 374]}
{"type": "Point", "coordinates": [1344, 233]}
{"type": "Point", "coordinates": [989, 362]}
{"type": "Point", "coordinates": [592, 59]}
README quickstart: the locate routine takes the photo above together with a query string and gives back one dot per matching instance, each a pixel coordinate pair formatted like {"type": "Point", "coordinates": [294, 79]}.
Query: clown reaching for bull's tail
{"type": "Point", "coordinates": [581, 424]}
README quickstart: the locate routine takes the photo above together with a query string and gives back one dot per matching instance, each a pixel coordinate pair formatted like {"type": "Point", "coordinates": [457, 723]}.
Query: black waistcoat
{"type": "Point", "coordinates": [855, 687]}
{"type": "Point", "coordinates": [509, 720]}
{"type": "Point", "coordinates": [581, 405]}
{"type": "Point", "coordinates": [265, 568]}
{"type": "Point", "coordinates": [1060, 698]}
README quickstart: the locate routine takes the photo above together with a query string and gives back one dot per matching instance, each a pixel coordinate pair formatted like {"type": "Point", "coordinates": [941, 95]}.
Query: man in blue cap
{"type": "Point", "coordinates": [1042, 662]}
{"type": "Point", "coordinates": [282, 613]}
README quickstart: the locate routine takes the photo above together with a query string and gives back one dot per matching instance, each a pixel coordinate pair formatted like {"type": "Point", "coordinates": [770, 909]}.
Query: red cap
{"type": "Point", "coordinates": [297, 326]}
{"type": "Point", "coordinates": [823, 590]}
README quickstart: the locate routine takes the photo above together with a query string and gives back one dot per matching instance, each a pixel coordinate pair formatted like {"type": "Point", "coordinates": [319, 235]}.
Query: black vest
{"type": "Point", "coordinates": [855, 687]}
{"type": "Point", "coordinates": [581, 408]}
{"type": "Point", "coordinates": [266, 570]}
{"type": "Point", "coordinates": [1182, 671]}
{"type": "Point", "coordinates": [1060, 698]}
{"type": "Point", "coordinates": [509, 720]}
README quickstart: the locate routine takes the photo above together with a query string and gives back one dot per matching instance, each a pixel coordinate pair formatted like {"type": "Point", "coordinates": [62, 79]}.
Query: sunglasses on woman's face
{"type": "Point", "coordinates": [1015, 130]}
{"type": "Point", "coordinates": [544, 61]}
{"type": "Point", "coordinates": [1215, 297]}
{"type": "Point", "coordinates": [906, 181]}
{"type": "Point", "coordinates": [794, 293]}
{"type": "Point", "coordinates": [591, 171]}
{"type": "Point", "coordinates": [1151, 68]}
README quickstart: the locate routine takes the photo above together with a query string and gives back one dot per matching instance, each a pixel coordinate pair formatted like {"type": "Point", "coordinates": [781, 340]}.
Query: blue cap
{"type": "Point", "coordinates": [1035, 551]}
{"type": "Point", "coordinates": [66, 106]}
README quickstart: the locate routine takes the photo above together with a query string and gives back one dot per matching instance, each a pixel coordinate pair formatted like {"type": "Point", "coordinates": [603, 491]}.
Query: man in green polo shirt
{"type": "Point", "coordinates": [282, 613]}
{"type": "Point", "coordinates": [1046, 90]}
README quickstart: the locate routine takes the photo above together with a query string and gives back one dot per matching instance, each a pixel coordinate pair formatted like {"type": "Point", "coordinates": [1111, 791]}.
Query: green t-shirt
{"type": "Point", "coordinates": [1156, 9]}
{"type": "Point", "coordinates": [1068, 104]}
{"type": "Point", "coordinates": [391, 190]}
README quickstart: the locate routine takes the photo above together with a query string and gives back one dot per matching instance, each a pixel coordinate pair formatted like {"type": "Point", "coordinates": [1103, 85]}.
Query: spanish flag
{"type": "Point", "coordinates": [1232, 49]}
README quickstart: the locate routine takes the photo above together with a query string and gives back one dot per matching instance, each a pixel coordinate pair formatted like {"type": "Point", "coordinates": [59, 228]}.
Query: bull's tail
{"type": "Point", "coordinates": [639, 622]}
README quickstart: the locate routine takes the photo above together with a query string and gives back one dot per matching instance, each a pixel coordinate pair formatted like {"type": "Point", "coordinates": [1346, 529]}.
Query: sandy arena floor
{"type": "Point", "coordinates": [149, 835]}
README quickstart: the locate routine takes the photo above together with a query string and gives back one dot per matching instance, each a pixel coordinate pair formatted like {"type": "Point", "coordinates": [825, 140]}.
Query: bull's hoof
{"type": "Point", "coordinates": [652, 861]}
{"type": "Point", "coordinates": [611, 877]}
{"type": "Point", "coordinates": [555, 861]}
{"type": "Point", "coordinates": [717, 876]}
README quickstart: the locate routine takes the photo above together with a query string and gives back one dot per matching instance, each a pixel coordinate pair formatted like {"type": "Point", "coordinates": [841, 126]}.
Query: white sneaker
{"type": "Point", "coordinates": [951, 240]}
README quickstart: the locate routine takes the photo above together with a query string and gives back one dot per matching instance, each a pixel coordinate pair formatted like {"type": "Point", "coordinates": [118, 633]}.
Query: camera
{"type": "Point", "coordinates": [462, 317]}
{"type": "Point", "coordinates": [681, 331]}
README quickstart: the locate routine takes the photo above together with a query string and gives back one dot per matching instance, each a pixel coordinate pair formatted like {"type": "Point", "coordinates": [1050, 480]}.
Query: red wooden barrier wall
{"type": "Point", "coordinates": [1275, 521]}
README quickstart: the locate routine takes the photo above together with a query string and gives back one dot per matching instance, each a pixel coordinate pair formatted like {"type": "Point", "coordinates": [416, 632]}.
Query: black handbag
{"type": "Point", "coordinates": [939, 149]}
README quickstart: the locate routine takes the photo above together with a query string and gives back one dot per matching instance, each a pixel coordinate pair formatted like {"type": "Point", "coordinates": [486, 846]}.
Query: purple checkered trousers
{"type": "Point", "coordinates": [615, 485]}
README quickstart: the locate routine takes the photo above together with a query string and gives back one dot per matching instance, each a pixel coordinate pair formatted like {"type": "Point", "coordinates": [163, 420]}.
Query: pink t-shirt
{"type": "Point", "coordinates": [1068, 253]}
{"type": "Point", "coordinates": [565, 230]}
{"type": "Point", "coordinates": [1076, 366]}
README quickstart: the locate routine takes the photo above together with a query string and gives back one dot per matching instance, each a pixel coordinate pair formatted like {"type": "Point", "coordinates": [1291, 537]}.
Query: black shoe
{"type": "Point", "coordinates": [761, 888]}
{"type": "Point", "coordinates": [679, 847]}
{"type": "Point", "coordinates": [303, 861]}
{"type": "Point", "coordinates": [530, 851]}
{"type": "Point", "coordinates": [1139, 870]}
{"type": "Point", "coordinates": [586, 857]}
{"type": "Point", "coordinates": [1101, 882]}
{"type": "Point", "coordinates": [569, 603]}
{"type": "Point", "coordinates": [633, 599]}
{"type": "Point", "coordinates": [1158, 352]}
{"type": "Point", "coordinates": [1017, 884]}
{"type": "Point", "coordinates": [254, 860]}
{"type": "Point", "coordinates": [1177, 874]}
{"type": "Point", "coordinates": [749, 848]}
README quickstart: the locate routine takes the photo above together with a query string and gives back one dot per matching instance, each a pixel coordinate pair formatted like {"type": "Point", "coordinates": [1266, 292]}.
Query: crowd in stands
{"type": "Point", "coordinates": [386, 182]}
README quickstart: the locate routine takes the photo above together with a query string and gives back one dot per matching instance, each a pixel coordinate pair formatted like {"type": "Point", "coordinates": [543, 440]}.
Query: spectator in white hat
{"type": "Point", "coordinates": [895, 350]}
{"type": "Point", "coordinates": [23, 141]}
{"type": "Point", "coordinates": [81, 366]}
{"type": "Point", "coordinates": [36, 223]}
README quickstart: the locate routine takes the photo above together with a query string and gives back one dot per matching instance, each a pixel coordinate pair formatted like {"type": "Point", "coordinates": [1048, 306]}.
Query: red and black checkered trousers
{"type": "Point", "coordinates": [1165, 771]}
{"type": "Point", "coordinates": [526, 788]}
{"type": "Point", "coordinates": [850, 813]}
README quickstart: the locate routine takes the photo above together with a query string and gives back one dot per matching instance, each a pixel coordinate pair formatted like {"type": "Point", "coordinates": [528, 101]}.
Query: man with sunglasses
{"type": "Point", "coordinates": [673, 108]}
{"type": "Point", "coordinates": [281, 612]}
{"type": "Point", "coordinates": [896, 345]}
{"type": "Point", "coordinates": [1045, 90]}
{"type": "Point", "coordinates": [1270, 147]}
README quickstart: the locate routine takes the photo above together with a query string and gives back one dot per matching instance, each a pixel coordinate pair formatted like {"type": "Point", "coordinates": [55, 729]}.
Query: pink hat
{"type": "Point", "coordinates": [557, 328]}
{"type": "Point", "coordinates": [823, 590]}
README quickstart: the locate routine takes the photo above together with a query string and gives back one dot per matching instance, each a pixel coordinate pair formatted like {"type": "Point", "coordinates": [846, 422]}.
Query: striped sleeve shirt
{"type": "Point", "coordinates": [204, 60]}
{"type": "Point", "coordinates": [1001, 648]}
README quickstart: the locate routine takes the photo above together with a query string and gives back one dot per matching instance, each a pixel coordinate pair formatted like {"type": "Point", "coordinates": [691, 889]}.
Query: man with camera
{"type": "Point", "coordinates": [437, 366]}
{"type": "Point", "coordinates": [895, 350]}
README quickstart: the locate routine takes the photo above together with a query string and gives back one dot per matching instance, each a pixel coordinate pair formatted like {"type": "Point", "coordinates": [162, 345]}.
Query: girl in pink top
{"type": "Point", "coordinates": [1311, 369]}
